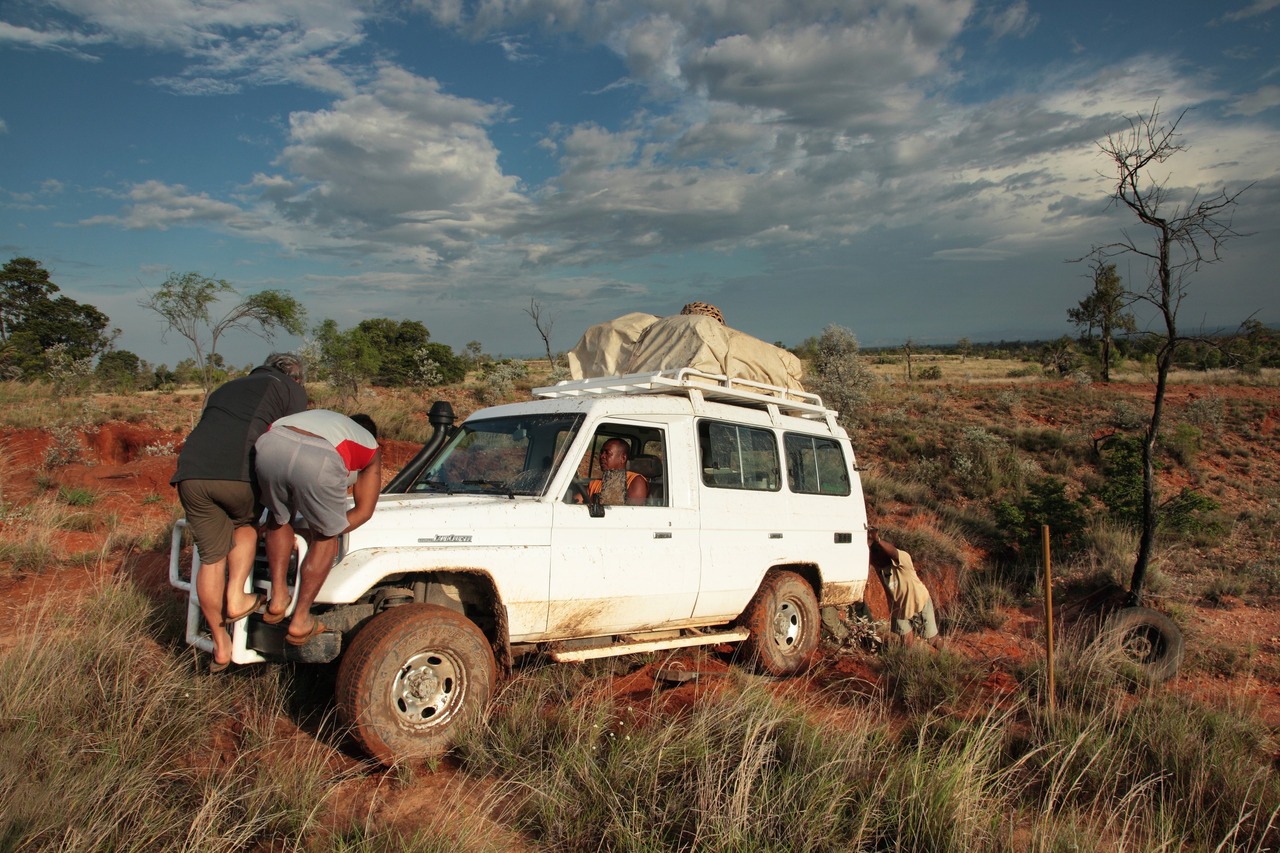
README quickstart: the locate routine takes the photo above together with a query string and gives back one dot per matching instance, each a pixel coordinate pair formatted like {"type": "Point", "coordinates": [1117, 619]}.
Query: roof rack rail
{"type": "Point", "coordinates": [712, 386]}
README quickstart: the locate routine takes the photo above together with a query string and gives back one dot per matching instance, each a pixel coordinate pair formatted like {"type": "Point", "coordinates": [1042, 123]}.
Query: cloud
{"type": "Point", "coordinates": [153, 205]}
{"type": "Point", "coordinates": [54, 39]}
{"type": "Point", "coordinates": [1258, 7]}
{"type": "Point", "coordinates": [397, 172]}
{"type": "Point", "coordinates": [399, 163]}
{"type": "Point", "coordinates": [255, 42]}
{"type": "Point", "coordinates": [1252, 103]}
{"type": "Point", "coordinates": [1014, 20]}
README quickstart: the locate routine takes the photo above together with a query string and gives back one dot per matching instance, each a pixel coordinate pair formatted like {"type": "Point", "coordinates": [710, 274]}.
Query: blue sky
{"type": "Point", "coordinates": [916, 170]}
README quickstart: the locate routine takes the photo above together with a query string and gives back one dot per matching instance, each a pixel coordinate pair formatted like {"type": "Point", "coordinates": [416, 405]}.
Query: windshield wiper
{"type": "Point", "coordinates": [500, 485]}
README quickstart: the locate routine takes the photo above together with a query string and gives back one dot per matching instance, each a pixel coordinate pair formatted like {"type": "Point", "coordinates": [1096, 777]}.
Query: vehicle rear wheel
{"type": "Point", "coordinates": [410, 677]}
{"type": "Point", "coordinates": [785, 625]}
{"type": "Point", "coordinates": [1147, 639]}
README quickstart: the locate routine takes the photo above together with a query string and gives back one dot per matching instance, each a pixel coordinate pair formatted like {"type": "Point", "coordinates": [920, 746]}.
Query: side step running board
{"type": "Point", "coordinates": [568, 656]}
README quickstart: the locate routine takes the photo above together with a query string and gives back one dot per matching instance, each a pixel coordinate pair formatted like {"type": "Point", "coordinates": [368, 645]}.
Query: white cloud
{"type": "Point", "coordinates": [1252, 103]}
{"type": "Point", "coordinates": [1015, 20]}
{"type": "Point", "coordinates": [399, 163]}
{"type": "Point", "coordinates": [159, 206]}
{"type": "Point", "coordinates": [227, 43]}
{"type": "Point", "coordinates": [1258, 7]}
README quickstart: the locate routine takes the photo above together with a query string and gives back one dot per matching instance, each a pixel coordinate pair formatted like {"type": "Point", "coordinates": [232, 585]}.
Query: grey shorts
{"type": "Point", "coordinates": [303, 474]}
{"type": "Point", "coordinates": [922, 623]}
{"type": "Point", "coordinates": [214, 509]}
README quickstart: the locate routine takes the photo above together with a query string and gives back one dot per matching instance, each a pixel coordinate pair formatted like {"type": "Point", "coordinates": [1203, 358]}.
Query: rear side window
{"type": "Point", "coordinates": [738, 457]}
{"type": "Point", "coordinates": [815, 465]}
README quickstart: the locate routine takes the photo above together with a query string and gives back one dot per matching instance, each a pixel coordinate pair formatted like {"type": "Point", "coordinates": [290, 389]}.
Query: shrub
{"type": "Point", "coordinates": [841, 377]}
{"type": "Point", "coordinates": [1192, 514]}
{"type": "Point", "coordinates": [985, 464]}
{"type": "Point", "coordinates": [1121, 490]}
{"type": "Point", "coordinates": [499, 380]}
{"type": "Point", "coordinates": [76, 496]}
{"type": "Point", "coordinates": [1045, 502]}
{"type": "Point", "coordinates": [1182, 443]}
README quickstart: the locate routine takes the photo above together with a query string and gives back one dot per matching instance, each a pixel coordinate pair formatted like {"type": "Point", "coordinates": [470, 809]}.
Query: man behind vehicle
{"type": "Point", "coordinates": [912, 606]}
{"type": "Point", "coordinates": [216, 485]}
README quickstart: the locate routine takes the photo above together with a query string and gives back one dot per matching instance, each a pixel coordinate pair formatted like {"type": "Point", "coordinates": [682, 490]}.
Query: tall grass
{"type": "Point", "coordinates": [113, 743]}
{"type": "Point", "coordinates": [1143, 768]}
{"type": "Point", "coordinates": [749, 768]}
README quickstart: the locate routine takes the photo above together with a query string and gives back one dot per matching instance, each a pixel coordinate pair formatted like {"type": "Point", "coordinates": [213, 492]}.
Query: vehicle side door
{"type": "Point", "coordinates": [625, 569]}
{"type": "Point", "coordinates": [745, 515]}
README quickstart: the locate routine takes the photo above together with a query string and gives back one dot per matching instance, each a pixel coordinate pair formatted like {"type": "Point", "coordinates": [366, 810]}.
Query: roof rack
{"type": "Point", "coordinates": [711, 386]}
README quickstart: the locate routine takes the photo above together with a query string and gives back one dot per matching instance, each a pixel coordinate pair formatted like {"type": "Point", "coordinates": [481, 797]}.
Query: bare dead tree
{"type": "Point", "coordinates": [543, 324]}
{"type": "Point", "coordinates": [1182, 235]}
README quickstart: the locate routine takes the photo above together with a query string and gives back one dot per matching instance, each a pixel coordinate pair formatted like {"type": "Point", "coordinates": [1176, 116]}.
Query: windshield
{"type": "Point", "coordinates": [510, 456]}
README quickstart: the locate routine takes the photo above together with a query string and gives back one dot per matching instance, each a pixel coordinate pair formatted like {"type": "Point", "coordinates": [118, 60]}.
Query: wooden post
{"type": "Point", "coordinates": [1048, 617]}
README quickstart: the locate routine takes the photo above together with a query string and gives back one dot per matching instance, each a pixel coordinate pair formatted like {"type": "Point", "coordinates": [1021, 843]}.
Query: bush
{"type": "Point", "coordinates": [1190, 513]}
{"type": "Point", "coordinates": [498, 381]}
{"type": "Point", "coordinates": [1182, 444]}
{"type": "Point", "coordinates": [1121, 490]}
{"type": "Point", "coordinates": [841, 378]}
{"type": "Point", "coordinates": [1045, 502]}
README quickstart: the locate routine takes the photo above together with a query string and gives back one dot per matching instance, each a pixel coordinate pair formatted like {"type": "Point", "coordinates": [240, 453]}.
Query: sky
{"type": "Point", "coordinates": [907, 169]}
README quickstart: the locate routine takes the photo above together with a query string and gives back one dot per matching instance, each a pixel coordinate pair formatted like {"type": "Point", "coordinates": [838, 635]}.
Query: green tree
{"type": "Point", "coordinates": [118, 371]}
{"type": "Point", "coordinates": [1060, 355]}
{"type": "Point", "coordinates": [346, 359]}
{"type": "Point", "coordinates": [1181, 236]}
{"type": "Point", "coordinates": [1254, 347]}
{"type": "Point", "coordinates": [24, 284]}
{"type": "Point", "coordinates": [37, 328]}
{"type": "Point", "coordinates": [409, 356]}
{"type": "Point", "coordinates": [1104, 309]}
{"type": "Point", "coordinates": [186, 301]}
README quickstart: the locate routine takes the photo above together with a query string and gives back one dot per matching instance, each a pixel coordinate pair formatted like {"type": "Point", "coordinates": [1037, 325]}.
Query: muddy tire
{"type": "Point", "coordinates": [411, 677]}
{"type": "Point", "coordinates": [1147, 639]}
{"type": "Point", "coordinates": [785, 625]}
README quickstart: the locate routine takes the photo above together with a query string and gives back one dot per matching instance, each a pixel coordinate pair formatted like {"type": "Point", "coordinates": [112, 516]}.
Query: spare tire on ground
{"type": "Point", "coordinates": [1147, 639]}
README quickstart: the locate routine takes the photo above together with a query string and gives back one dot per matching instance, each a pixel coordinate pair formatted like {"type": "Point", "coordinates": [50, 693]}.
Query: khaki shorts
{"type": "Point", "coordinates": [303, 474]}
{"type": "Point", "coordinates": [214, 509]}
{"type": "Point", "coordinates": [922, 623]}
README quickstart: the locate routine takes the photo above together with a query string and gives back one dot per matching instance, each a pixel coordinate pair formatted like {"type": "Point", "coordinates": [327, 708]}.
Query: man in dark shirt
{"type": "Point", "coordinates": [216, 486]}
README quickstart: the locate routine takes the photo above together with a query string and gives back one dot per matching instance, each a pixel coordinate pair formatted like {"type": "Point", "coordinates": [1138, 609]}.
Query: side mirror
{"type": "Point", "coordinates": [595, 508]}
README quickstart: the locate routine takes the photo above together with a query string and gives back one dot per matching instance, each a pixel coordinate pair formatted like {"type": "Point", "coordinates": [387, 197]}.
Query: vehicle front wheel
{"type": "Point", "coordinates": [785, 625]}
{"type": "Point", "coordinates": [410, 677]}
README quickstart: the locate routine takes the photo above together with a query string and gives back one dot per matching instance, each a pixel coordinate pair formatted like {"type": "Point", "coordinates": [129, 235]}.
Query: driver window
{"type": "Point", "coordinates": [624, 465]}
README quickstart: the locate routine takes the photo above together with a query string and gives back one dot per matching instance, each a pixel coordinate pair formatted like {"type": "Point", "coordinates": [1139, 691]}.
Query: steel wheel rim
{"type": "Point", "coordinates": [1141, 645]}
{"type": "Point", "coordinates": [788, 621]}
{"type": "Point", "coordinates": [428, 689]}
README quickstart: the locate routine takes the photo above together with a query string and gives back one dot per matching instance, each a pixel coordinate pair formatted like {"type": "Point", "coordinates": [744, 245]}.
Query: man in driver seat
{"type": "Point", "coordinates": [616, 485]}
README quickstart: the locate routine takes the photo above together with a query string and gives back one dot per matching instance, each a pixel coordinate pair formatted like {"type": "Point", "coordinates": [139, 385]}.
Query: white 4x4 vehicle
{"type": "Point", "coordinates": [485, 548]}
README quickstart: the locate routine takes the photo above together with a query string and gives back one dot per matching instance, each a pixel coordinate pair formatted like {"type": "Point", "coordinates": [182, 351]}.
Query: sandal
{"type": "Point", "coordinates": [317, 628]}
{"type": "Point", "coordinates": [276, 618]}
{"type": "Point", "coordinates": [258, 600]}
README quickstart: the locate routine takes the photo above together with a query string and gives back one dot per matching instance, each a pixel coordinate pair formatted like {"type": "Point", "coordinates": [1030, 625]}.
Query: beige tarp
{"type": "Point", "coordinates": [642, 343]}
